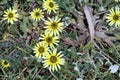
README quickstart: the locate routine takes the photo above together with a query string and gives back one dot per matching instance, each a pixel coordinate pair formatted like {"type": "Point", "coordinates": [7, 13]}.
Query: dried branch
{"type": "Point", "coordinates": [80, 23]}
{"type": "Point", "coordinates": [105, 37]}
{"type": "Point", "coordinates": [90, 19]}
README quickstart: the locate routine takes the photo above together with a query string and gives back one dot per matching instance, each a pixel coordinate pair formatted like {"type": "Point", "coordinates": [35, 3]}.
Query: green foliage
{"type": "Point", "coordinates": [91, 58]}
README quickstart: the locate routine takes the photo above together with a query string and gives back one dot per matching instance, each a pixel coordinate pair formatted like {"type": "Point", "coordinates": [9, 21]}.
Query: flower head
{"type": "Point", "coordinates": [5, 64]}
{"type": "Point", "coordinates": [53, 60]}
{"type": "Point", "coordinates": [54, 26]}
{"type": "Point", "coordinates": [113, 18]}
{"type": "Point", "coordinates": [50, 5]}
{"type": "Point", "coordinates": [40, 49]}
{"type": "Point", "coordinates": [10, 15]}
{"type": "Point", "coordinates": [50, 40]}
{"type": "Point", "coordinates": [37, 14]}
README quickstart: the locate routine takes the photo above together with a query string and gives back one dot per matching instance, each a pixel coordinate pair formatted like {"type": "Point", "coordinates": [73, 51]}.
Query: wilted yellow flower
{"type": "Point", "coordinates": [5, 64]}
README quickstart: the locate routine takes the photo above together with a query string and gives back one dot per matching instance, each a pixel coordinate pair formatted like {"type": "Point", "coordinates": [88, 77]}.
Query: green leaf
{"type": "Point", "coordinates": [4, 1]}
{"type": "Point", "coordinates": [12, 28]}
{"type": "Point", "coordinates": [117, 36]}
{"type": "Point", "coordinates": [23, 27]}
{"type": "Point", "coordinates": [81, 47]}
{"type": "Point", "coordinates": [1, 12]}
{"type": "Point", "coordinates": [88, 46]}
{"type": "Point", "coordinates": [107, 2]}
{"type": "Point", "coordinates": [35, 23]}
{"type": "Point", "coordinates": [69, 8]}
{"type": "Point", "coordinates": [25, 20]}
{"type": "Point", "coordinates": [29, 0]}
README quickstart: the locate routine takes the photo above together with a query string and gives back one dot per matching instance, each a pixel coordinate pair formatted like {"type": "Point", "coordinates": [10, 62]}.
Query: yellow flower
{"type": "Point", "coordinates": [5, 64]}
{"type": "Point", "coordinates": [53, 60]}
{"type": "Point", "coordinates": [40, 49]}
{"type": "Point", "coordinates": [113, 18]}
{"type": "Point", "coordinates": [37, 14]}
{"type": "Point", "coordinates": [10, 15]}
{"type": "Point", "coordinates": [54, 26]}
{"type": "Point", "coordinates": [50, 40]}
{"type": "Point", "coordinates": [50, 5]}
{"type": "Point", "coordinates": [6, 36]}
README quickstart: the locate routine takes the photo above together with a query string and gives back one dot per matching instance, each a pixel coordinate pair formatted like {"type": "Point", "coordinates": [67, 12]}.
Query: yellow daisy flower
{"type": "Point", "coordinates": [53, 60]}
{"type": "Point", "coordinates": [53, 26]}
{"type": "Point", "coordinates": [37, 14]}
{"type": "Point", "coordinates": [50, 5]}
{"type": "Point", "coordinates": [5, 64]}
{"type": "Point", "coordinates": [40, 49]}
{"type": "Point", "coordinates": [10, 15]}
{"type": "Point", "coordinates": [50, 40]}
{"type": "Point", "coordinates": [113, 18]}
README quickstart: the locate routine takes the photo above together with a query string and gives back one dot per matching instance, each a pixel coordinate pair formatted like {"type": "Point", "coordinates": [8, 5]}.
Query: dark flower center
{"type": "Point", "coordinates": [53, 59]}
{"type": "Point", "coordinates": [116, 17]}
{"type": "Point", "coordinates": [10, 15]}
{"type": "Point", "coordinates": [54, 25]}
{"type": "Point", "coordinates": [37, 14]}
{"type": "Point", "coordinates": [41, 49]}
{"type": "Point", "coordinates": [5, 62]}
{"type": "Point", "coordinates": [51, 4]}
{"type": "Point", "coordinates": [49, 39]}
